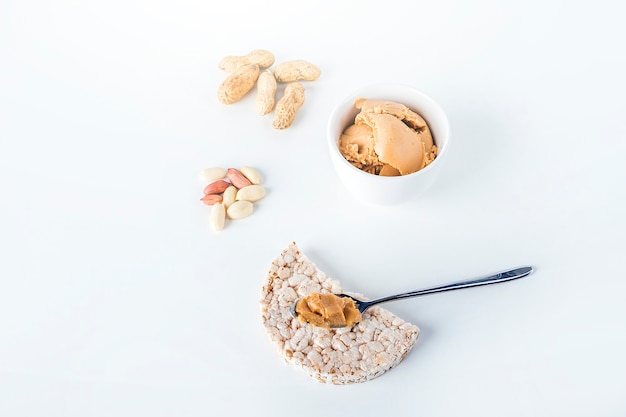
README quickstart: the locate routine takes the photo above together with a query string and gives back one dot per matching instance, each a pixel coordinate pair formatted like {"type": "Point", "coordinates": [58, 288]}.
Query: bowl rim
{"type": "Point", "coordinates": [350, 98]}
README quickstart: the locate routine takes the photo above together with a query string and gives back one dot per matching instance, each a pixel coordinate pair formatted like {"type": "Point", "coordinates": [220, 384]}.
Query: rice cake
{"type": "Point", "coordinates": [336, 356]}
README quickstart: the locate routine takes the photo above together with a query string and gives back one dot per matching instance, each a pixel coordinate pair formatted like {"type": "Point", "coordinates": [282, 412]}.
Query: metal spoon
{"type": "Point", "coordinates": [510, 275]}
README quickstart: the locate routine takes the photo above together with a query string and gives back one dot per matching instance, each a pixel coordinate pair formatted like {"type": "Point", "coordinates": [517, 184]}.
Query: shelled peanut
{"type": "Point", "coordinates": [246, 72]}
{"type": "Point", "coordinates": [231, 193]}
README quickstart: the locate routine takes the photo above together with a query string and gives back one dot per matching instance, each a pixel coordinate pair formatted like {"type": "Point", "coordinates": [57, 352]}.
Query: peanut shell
{"type": "Point", "coordinates": [238, 84]}
{"type": "Point", "coordinates": [299, 70]}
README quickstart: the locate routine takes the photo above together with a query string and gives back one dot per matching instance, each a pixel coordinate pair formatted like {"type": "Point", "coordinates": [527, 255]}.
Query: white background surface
{"type": "Point", "coordinates": [117, 299]}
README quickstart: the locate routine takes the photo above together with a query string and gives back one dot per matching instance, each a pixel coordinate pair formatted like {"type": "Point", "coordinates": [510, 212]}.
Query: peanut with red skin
{"type": "Point", "coordinates": [216, 187]}
{"type": "Point", "coordinates": [237, 178]}
{"type": "Point", "coordinates": [211, 199]}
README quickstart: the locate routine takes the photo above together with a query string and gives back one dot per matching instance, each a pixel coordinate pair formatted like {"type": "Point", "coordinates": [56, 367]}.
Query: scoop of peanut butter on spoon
{"type": "Point", "coordinates": [327, 310]}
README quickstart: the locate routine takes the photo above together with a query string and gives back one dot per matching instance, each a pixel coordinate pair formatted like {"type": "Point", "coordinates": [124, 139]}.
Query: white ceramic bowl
{"type": "Point", "coordinates": [380, 189]}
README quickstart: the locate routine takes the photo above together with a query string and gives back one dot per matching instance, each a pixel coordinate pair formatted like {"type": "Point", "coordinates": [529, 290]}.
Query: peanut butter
{"type": "Point", "coordinates": [327, 310]}
{"type": "Point", "coordinates": [387, 139]}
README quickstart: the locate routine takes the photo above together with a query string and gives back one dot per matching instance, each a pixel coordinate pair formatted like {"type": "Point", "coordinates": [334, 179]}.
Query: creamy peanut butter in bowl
{"type": "Point", "coordinates": [387, 142]}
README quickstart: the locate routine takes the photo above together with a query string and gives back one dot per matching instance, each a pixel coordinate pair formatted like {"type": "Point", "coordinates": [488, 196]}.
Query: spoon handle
{"type": "Point", "coordinates": [492, 279]}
